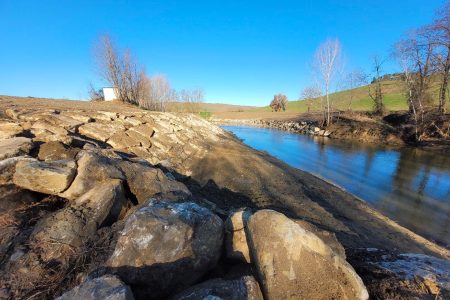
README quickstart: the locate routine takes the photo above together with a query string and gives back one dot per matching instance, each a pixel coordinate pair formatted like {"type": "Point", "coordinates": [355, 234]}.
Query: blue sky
{"type": "Point", "coordinates": [239, 52]}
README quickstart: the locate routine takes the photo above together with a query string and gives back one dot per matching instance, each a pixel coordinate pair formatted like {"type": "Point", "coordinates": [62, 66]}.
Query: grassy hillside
{"type": "Point", "coordinates": [394, 98]}
{"type": "Point", "coordinates": [209, 107]}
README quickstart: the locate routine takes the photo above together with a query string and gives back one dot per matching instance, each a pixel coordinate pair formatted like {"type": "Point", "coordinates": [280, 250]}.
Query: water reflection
{"type": "Point", "coordinates": [410, 186]}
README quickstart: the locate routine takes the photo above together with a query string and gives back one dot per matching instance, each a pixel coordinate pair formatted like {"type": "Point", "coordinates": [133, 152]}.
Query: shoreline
{"type": "Point", "coordinates": [375, 135]}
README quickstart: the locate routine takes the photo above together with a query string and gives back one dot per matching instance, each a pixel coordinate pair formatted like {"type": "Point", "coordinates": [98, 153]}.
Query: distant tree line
{"type": "Point", "coordinates": [132, 85]}
{"type": "Point", "coordinates": [424, 56]}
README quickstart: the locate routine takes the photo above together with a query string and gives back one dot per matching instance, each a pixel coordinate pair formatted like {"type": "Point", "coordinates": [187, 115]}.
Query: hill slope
{"type": "Point", "coordinates": [358, 99]}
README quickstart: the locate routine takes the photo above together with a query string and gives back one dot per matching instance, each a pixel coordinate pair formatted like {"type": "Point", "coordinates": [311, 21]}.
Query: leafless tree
{"type": "Point", "coordinates": [120, 70]}
{"type": "Point", "coordinates": [191, 99]}
{"type": "Point", "coordinates": [375, 89]}
{"type": "Point", "coordinates": [327, 63]}
{"type": "Point", "coordinates": [415, 55]}
{"type": "Point", "coordinates": [94, 94]}
{"type": "Point", "coordinates": [309, 94]}
{"type": "Point", "coordinates": [355, 78]}
{"type": "Point", "coordinates": [279, 103]}
{"type": "Point", "coordinates": [439, 33]}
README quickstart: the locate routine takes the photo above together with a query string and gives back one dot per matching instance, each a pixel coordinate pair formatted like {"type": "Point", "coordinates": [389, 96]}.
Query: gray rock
{"type": "Point", "coordinates": [100, 131]}
{"type": "Point", "coordinates": [9, 129]}
{"type": "Point", "coordinates": [43, 135]}
{"type": "Point", "coordinates": [56, 151]}
{"type": "Point", "coordinates": [92, 168]}
{"type": "Point", "coordinates": [46, 125]}
{"type": "Point", "coordinates": [64, 233]}
{"type": "Point", "coordinates": [146, 182]}
{"type": "Point", "coordinates": [236, 237]}
{"type": "Point", "coordinates": [238, 289]}
{"type": "Point", "coordinates": [293, 263]}
{"type": "Point", "coordinates": [165, 247]}
{"type": "Point", "coordinates": [61, 235]}
{"type": "Point", "coordinates": [104, 203]}
{"type": "Point", "coordinates": [45, 177]}
{"type": "Point", "coordinates": [8, 168]}
{"type": "Point", "coordinates": [328, 237]}
{"type": "Point", "coordinates": [15, 147]}
{"type": "Point", "coordinates": [106, 287]}
{"type": "Point", "coordinates": [433, 272]}
{"type": "Point", "coordinates": [121, 140]}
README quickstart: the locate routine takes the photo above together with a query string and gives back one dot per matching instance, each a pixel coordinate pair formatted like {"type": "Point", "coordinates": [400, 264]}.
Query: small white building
{"type": "Point", "coordinates": [110, 93]}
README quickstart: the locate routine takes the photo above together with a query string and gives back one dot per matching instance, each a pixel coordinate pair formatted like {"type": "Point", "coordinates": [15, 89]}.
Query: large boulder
{"type": "Point", "coordinates": [56, 151]}
{"type": "Point", "coordinates": [238, 289]}
{"type": "Point", "coordinates": [61, 235]}
{"type": "Point", "coordinates": [46, 125]}
{"type": "Point", "coordinates": [144, 140]}
{"type": "Point", "coordinates": [145, 130]}
{"type": "Point", "coordinates": [9, 129]}
{"type": "Point", "coordinates": [146, 182]}
{"type": "Point", "coordinates": [45, 177]}
{"type": "Point", "coordinates": [236, 237]}
{"type": "Point", "coordinates": [104, 203]}
{"type": "Point", "coordinates": [92, 168]}
{"type": "Point", "coordinates": [165, 247]}
{"type": "Point", "coordinates": [100, 131]}
{"type": "Point", "coordinates": [15, 147]}
{"type": "Point", "coordinates": [8, 168]}
{"type": "Point", "coordinates": [64, 233]}
{"type": "Point", "coordinates": [121, 140]}
{"type": "Point", "coordinates": [293, 263]}
{"type": "Point", "coordinates": [106, 287]}
{"type": "Point", "coordinates": [43, 135]}
{"type": "Point", "coordinates": [328, 237]}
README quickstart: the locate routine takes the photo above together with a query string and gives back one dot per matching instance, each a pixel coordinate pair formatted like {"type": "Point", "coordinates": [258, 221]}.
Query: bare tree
{"type": "Point", "coordinates": [416, 58]}
{"type": "Point", "coordinates": [94, 94]}
{"type": "Point", "coordinates": [355, 78]}
{"type": "Point", "coordinates": [327, 62]}
{"type": "Point", "coordinates": [191, 99]}
{"type": "Point", "coordinates": [309, 94]}
{"type": "Point", "coordinates": [377, 95]}
{"type": "Point", "coordinates": [440, 36]}
{"type": "Point", "coordinates": [279, 102]}
{"type": "Point", "coordinates": [120, 70]}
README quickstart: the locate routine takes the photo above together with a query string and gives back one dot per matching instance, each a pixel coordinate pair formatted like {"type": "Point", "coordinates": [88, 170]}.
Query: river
{"type": "Point", "coordinates": [409, 185]}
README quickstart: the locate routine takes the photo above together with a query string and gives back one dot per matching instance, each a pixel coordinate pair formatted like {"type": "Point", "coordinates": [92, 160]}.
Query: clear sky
{"type": "Point", "coordinates": [239, 52]}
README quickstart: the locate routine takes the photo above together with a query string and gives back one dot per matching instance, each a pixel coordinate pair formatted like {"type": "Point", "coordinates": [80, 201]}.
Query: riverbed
{"type": "Point", "coordinates": [409, 185]}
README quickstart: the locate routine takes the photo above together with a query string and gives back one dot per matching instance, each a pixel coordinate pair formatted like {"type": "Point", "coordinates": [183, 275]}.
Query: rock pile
{"type": "Point", "coordinates": [90, 212]}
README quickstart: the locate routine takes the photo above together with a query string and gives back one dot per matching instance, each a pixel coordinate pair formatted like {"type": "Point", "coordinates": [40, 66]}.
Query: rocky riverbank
{"type": "Point", "coordinates": [348, 129]}
{"type": "Point", "coordinates": [118, 202]}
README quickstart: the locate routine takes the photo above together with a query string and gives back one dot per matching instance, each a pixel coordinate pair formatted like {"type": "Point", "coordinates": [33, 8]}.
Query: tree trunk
{"type": "Point", "coordinates": [328, 107]}
{"type": "Point", "coordinates": [444, 83]}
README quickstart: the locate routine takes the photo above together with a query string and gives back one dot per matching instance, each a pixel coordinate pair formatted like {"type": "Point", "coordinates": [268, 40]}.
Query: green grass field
{"type": "Point", "coordinates": [394, 99]}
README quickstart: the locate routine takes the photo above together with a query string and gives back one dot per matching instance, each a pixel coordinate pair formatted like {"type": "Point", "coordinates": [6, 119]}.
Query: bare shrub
{"type": "Point", "coordinates": [309, 94]}
{"type": "Point", "coordinates": [95, 94]}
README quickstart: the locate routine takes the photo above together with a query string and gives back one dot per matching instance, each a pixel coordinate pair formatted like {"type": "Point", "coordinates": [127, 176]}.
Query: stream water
{"type": "Point", "coordinates": [411, 186]}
